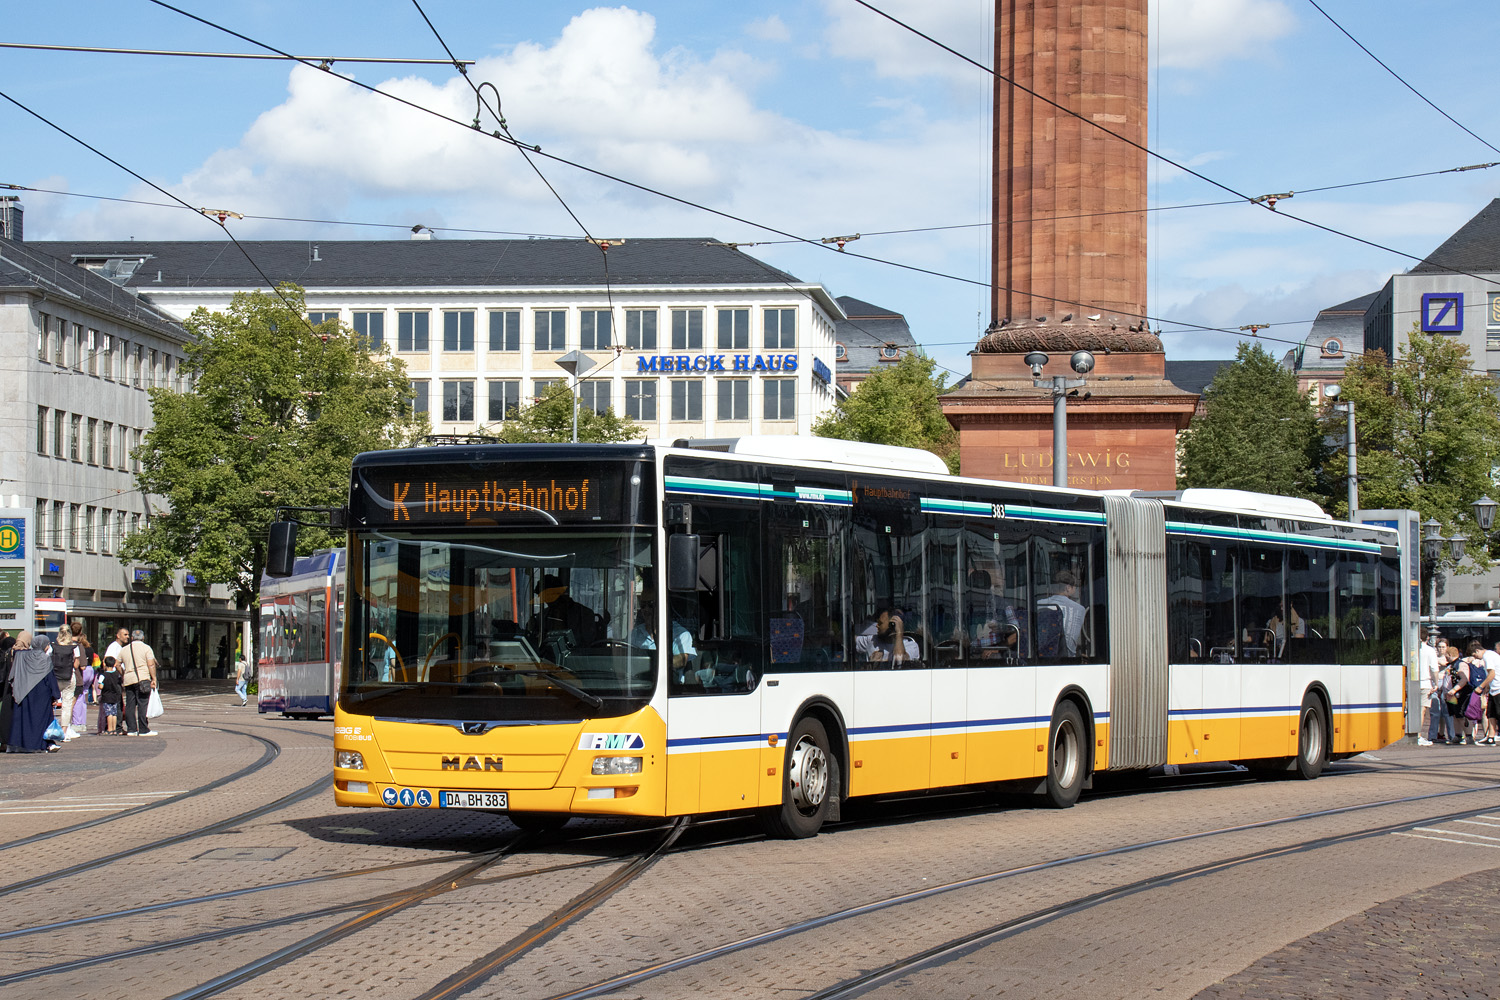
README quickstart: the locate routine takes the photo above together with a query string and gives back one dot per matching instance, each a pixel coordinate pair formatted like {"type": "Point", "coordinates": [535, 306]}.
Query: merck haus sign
{"type": "Point", "coordinates": [702, 363]}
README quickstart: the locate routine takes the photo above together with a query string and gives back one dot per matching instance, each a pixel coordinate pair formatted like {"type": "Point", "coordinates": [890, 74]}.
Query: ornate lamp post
{"type": "Point", "coordinates": [1432, 551]}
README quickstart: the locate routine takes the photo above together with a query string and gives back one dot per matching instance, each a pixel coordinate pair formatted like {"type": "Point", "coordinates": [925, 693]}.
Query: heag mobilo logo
{"type": "Point", "coordinates": [611, 741]}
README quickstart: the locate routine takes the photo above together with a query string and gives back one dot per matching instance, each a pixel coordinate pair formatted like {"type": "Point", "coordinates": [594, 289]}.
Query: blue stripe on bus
{"type": "Point", "coordinates": [1280, 709]}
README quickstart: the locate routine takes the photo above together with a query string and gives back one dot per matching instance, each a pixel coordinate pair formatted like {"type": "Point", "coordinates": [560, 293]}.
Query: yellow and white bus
{"type": "Point", "coordinates": [777, 624]}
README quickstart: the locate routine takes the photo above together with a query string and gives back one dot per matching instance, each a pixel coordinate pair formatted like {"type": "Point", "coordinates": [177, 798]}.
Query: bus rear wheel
{"type": "Point", "coordinates": [808, 784]}
{"type": "Point", "coordinates": [1066, 757]}
{"type": "Point", "coordinates": [1312, 739]}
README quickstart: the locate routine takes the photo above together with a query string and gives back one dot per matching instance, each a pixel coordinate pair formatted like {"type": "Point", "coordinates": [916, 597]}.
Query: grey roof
{"type": "Point", "coordinates": [1194, 376]}
{"type": "Point", "coordinates": [1345, 323]}
{"type": "Point", "coordinates": [427, 263]}
{"type": "Point", "coordinates": [24, 266]}
{"type": "Point", "coordinates": [1475, 247]}
{"type": "Point", "coordinates": [868, 329]}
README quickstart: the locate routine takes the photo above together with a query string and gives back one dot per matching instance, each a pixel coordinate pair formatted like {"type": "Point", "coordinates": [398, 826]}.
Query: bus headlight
{"type": "Point", "coordinates": [350, 759]}
{"type": "Point", "coordinates": [617, 765]}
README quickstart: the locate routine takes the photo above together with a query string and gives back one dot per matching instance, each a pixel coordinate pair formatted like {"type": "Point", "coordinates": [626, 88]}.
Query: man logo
{"type": "Point", "coordinates": [611, 741]}
{"type": "Point", "coordinates": [472, 764]}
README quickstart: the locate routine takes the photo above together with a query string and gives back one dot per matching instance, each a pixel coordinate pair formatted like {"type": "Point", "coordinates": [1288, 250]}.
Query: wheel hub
{"type": "Point", "coordinates": [809, 775]}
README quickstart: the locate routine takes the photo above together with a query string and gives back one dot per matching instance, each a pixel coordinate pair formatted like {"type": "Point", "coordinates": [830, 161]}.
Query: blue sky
{"type": "Point", "coordinates": [817, 118]}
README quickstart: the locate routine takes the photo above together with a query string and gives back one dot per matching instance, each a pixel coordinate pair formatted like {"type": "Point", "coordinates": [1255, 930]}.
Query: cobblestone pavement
{"type": "Point", "coordinates": [1379, 914]}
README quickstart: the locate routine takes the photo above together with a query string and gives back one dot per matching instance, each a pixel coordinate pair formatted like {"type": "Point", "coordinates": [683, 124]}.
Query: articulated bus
{"type": "Point", "coordinates": [302, 637]}
{"type": "Point", "coordinates": [774, 625]}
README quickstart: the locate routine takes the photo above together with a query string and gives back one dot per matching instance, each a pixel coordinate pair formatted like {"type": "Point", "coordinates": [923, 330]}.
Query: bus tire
{"type": "Point", "coordinates": [538, 822]}
{"type": "Point", "coordinates": [1067, 757]}
{"type": "Point", "coordinates": [808, 784]}
{"type": "Point", "coordinates": [1312, 738]}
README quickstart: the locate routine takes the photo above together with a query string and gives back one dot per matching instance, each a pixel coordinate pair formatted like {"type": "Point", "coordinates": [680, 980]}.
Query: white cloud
{"type": "Point", "coordinates": [769, 29]}
{"type": "Point", "coordinates": [1199, 34]}
{"type": "Point", "coordinates": [855, 32]}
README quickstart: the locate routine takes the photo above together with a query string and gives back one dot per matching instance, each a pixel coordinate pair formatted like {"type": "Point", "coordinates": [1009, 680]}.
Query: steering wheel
{"type": "Point", "coordinates": [427, 663]}
{"type": "Point", "coordinates": [400, 664]}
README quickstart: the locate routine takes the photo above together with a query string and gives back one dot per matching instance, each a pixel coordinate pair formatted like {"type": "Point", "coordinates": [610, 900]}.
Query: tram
{"type": "Point", "coordinates": [301, 637]}
{"type": "Point", "coordinates": [774, 625]}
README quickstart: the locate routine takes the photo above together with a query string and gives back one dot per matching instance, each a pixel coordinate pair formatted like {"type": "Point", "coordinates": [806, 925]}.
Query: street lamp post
{"type": "Point", "coordinates": [576, 364]}
{"type": "Point", "coordinates": [1332, 392]}
{"type": "Point", "coordinates": [1432, 551]}
{"type": "Point", "coordinates": [1061, 387]}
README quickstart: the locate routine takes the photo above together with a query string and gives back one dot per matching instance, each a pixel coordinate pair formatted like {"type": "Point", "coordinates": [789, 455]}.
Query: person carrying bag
{"type": "Point", "coordinates": [138, 661]}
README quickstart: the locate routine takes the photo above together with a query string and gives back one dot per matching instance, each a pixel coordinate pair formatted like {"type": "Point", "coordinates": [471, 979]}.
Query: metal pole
{"type": "Point", "coordinates": [1059, 431]}
{"type": "Point", "coordinates": [1353, 479]}
{"type": "Point", "coordinates": [575, 411]}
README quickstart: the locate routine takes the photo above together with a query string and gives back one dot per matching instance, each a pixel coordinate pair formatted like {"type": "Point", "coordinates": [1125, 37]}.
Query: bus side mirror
{"type": "Point", "coordinates": [682, 563]}
{"type": "Point", "coordinates": [282, 552]}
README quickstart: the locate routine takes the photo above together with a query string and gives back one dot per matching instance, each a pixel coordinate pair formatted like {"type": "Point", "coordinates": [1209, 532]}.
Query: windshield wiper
{"type": "Point", "coordinates": [591, 700]}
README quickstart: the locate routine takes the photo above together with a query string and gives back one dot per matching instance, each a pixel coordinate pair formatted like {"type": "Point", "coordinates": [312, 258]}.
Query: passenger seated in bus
{"type": "Point", "coordinates": [563, 619]}
{"type": "Point", "coordinates": [1063, 600]}
{"type": "Point", "coordinates": [643, 636]}
{"type": "Point", "coordinates": [884, 639]}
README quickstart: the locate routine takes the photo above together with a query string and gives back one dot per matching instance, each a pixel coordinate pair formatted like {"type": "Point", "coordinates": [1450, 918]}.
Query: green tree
{"type": "Point", "coordinates": [1258, 432]}
{"type": "Point", "coordinates": [550, 420]}
{"type": "Point", "coordinates": [897, 405]}
{"type": "Point", "coordinates": [274, 416]}
{"type": "Point", "coordinates": [1427, 429]}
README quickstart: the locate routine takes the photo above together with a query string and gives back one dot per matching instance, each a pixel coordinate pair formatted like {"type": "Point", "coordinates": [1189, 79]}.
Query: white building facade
{"type": "Point", "coordinates": [688, 337]}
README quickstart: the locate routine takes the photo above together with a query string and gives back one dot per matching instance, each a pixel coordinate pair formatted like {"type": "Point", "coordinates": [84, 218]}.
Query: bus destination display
{"type": "Point", "coordinates": [449, 495]}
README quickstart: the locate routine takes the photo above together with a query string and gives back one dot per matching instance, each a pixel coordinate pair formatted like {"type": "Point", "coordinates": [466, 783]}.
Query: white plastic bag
{"type": "Point", "coordinates": [154, 709]}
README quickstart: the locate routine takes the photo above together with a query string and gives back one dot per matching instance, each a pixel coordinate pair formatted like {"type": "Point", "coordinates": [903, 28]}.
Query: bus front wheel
{"type": "Point", "coordinates": [1312, 739]}
{"type": "Point", "coordinates": [808, 784]}
{"type": "Point", "coordinates": [1066, 757]}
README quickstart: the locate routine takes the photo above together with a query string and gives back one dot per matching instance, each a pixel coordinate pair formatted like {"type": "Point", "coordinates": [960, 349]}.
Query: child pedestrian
{"type": "Point", "coordinates": [111, 696]}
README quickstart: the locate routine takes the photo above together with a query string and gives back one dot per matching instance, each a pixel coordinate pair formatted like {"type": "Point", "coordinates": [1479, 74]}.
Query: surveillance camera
{"type": "Point", "coordinates": [1036, 359]}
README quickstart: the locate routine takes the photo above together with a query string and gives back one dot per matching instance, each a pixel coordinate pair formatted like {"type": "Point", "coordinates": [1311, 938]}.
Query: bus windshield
{"type": "Point", "coordinates": [497, 624]}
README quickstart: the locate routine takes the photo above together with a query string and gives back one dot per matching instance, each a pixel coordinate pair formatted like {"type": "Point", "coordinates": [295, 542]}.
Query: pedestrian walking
{"type": "Point", "coordinates": [138, 663]}
{"type": "Point", "coordinates": [34, 690]}
{"type": "Point", "coordinates": [241, 680]}
{"type": "Point", "coordinates": [65, 656]}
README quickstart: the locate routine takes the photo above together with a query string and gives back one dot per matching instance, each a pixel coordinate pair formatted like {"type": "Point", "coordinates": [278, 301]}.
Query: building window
{"type": "Point", "coordinates": [640, 399]}
{"type": "Point", "coordinates": [75, 347]}
{"type": "Point", "coordinates": [734, 399]}
{"type": "Point", "coordinates": [640, 329]}
{"type": "Point", "coordinates": [687, 329]}
{"type": "Point", "coordinates": [135, 451]}
{"type": "Point", "coordinates": [153, 374]}
{"type": "Point", "coordinates": [418, 396]}
{"type": "Point", "coordinates": [75, 438]}
{"type": "Point", "coordinates": [889, 352]}
{"type": "Point", "coordinates": [734, 329]}
{"type": "Point", "coordinates": [411, 331]}
{"type": "Point", "coordinates": [840, 352]}
{"type": "Point", "coordinates": [370, 327]}
{"type": "Point", "coordinates": [41, 430]}
{"type": "Point", "coordinates": [106, 356]}
{"type": "Point", "coordinates": [88, 529]}
{"type": "Point", "coordinates": [59, 526]}
{"type": "Point", "coordinates": [91, 442]}
{"type": "Point", "coordinates": [40, 528]}
{"type": "Point", "coordinates": [117, 365]}
{"type": "Point", "coordinates": [505, 330]}
{"type": "Point", "coordinates": [123, 454]}
{"type": "Point", "coordinates": [505, 398]}
{"type": "Point", "coordinates": [59, 434]}
{"type": "Point", "coordinates": [551, 329]}
{"type": "Point", "coordinates": [540, 386]}
{"type": "Point", "coordinates": [317, 319]}
{"type": "Point", "coordinates": [594, 329]}
{"type": "Point", "coordinates": [1333, 348]}
{"type": "Point", "coordinates": [120, 526]}
{"type": "Point", "coordinates": [106, 532]}
{"type": "Point", "coordinates": [60, 343]}
{"type": "Point", "coordinates": [781, 398]}
{"type": "Point", "coordinates": [75, 539]}
{"type": "Point", "coordinates": [137, 361]}
{"type": "Point", "coordinates": [91, 348]}
{"type": "Point", "coordinates": [458, 331]}
{"type": "Point", "coordinates": [781, 329]}
{"type": "Point", "coordinates": [41, 335]}
{"type": "Point", "coordinates": [593, 396]}
{"type": "Point", "coordinates": [458, 401]}
{"type": "Point", "coordinates": [106, 437]}
{"type": "Point", "coordinates": [687, 399]}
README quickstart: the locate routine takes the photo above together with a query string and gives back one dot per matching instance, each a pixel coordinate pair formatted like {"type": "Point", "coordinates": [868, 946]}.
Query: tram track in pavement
{"type": "Point", "coordinates": [291, 798]}
{"type": "Point", "coordinates": [269, 753]}
{"type": "Point", "coordinates": [954, 946]}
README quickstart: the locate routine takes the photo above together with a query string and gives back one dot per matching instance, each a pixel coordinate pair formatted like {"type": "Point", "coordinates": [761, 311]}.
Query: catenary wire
{"type": "Point", "coordinates": [329, 60]}
{"type": "Point", "coordinates": [1400, 79]}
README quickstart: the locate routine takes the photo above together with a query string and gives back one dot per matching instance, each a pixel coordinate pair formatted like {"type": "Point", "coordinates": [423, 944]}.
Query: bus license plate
{"type": "Point", "coordinates": [475, 800]}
